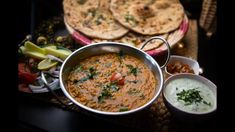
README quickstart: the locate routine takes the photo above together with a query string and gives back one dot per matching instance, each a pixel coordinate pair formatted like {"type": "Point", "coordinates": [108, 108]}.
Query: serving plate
{"type": "Point", "coordinates": [173, 37]}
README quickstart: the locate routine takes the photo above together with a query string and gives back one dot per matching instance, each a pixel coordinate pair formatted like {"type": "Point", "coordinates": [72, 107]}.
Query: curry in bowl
{"type": "Point", "coordinates": [112, 82]}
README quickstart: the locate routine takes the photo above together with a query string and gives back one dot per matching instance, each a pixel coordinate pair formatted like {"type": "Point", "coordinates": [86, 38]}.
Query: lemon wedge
{"type": "Point", "coordinates": [46, 64]}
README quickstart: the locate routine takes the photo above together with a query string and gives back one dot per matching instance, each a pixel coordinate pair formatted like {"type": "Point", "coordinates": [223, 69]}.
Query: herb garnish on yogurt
{"type": "Point", "coordinates": [191, 96]}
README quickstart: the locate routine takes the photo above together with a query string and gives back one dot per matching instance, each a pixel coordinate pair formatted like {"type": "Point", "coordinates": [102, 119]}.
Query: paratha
{"type": "Point", "coordinates": [148, 17]}
{"type": "Point", "coordinates": [92, 18]}
{"type": "Point", "coordinates": [137, 40]}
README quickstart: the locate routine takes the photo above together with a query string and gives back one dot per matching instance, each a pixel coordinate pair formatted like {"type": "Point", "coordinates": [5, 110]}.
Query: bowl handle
{"type": "Point", "coordinates": [52, 91]}
{"type": "Point", "coordinates": [167, 45]}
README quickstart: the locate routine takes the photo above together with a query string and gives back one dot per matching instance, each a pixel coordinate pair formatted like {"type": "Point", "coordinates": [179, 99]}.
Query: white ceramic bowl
{"type": "Point", "coordinates": [193, 64]}
{"type": "Point", "coordinates": [178, 108]}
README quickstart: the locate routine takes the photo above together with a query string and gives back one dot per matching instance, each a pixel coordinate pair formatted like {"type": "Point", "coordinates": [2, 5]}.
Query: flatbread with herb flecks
{"type": "Point", "coordinates": [93, 18]}
{"type": "Point", "coordinates": [148, 17]}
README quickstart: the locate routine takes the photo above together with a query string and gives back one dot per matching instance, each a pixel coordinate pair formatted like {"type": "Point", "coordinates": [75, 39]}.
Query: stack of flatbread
{"type": "Point", "coordinates": [126, 21]}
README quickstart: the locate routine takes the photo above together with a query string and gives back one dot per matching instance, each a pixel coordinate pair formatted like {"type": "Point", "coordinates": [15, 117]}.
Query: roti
{"type": "Point", "coordinates": [137, 40]}
{"type": "Point", "coordinates": [93, 18]}
{"type": "Point", "coordinates": [148, 17]}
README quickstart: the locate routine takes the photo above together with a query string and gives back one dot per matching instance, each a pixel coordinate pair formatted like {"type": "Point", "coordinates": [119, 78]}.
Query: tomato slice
{"type": "Point", "coordinates": [122, 81]}
{"type": "Point", "coordinates": [22, 67]}
{"type": "Point", "coordinates": [25, 75]}
{"type": "Point", "coordinates": [117, 77]}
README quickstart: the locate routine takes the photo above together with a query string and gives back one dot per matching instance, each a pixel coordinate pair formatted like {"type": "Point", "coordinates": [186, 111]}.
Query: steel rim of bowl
{"type": "Point", "coordinates": [149, 58]}
{"type": "Point", "coordinates": [191, 76]}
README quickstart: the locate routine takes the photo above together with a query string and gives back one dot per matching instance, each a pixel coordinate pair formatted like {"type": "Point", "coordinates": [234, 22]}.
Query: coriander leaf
{"type": "Point", "coordinates": [104, 94]}
{"type": "Point", "coordinates": [78, 68]}
{"type": "Point", "coordinates": [133, 70]}
{"type": "Point", "coordinates": [92, 73]}
{"type": "Point", "coordinates": [81, 80]}
{"type": "Point", "coordinates": [123, 109]}
{"type": "Point", "coordinates": [114, 87]}
{"type": "Point", "coordinates": [207, 103]}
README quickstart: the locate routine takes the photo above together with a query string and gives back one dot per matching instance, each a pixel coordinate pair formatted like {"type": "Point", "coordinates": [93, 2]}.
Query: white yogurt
{"type": "Point", "coordinates": [180, 84]}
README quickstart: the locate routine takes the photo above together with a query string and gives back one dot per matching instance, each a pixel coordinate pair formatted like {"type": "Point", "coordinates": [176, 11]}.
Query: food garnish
{"type": "Point", "coordinates": [45, 51]}
{"type": "Point", "coordinates": [191, 96]}
{"type": "Point", "coordinates": [133, 70]}
{"type": "Point", "coordinates": [46, 64]}
{"type": "Point", "coordinates": [123, 109]}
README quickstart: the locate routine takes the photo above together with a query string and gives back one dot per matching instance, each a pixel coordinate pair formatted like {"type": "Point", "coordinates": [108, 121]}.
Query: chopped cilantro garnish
{"type": "Point", "coordinates": [78, 68]}
{"type": "Point", "coordinates": [133, 70]}
{"type": "Point", "coordinates": [204, 102]}
{"type": "Point", "coordinates": [90, 74]}
{"type": "Point", "coordinates": [190, 96]}
{"type": "Point", "coordinates": [123, 109]}
{"type": "Point", "coordinates": [104, 94]}
{"type": "Point", "coordinates": [107, 90]}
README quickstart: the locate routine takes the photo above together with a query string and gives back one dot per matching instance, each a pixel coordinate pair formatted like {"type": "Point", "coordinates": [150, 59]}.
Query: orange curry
{"type": "Point", "coordinates": [112, 82]}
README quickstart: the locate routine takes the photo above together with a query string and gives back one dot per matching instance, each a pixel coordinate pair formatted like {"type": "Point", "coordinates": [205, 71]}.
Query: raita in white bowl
{"type": "Point", "coordinates": [190, 95]}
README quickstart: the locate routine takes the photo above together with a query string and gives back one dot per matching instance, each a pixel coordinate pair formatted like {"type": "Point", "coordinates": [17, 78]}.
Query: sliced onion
{"type": "Point", "coordinates": [52, 69]}
{"type": "Point", "coordinates": [33, 87]}
{"type": "Point", "coordinates": [58, 67]}
{"type": "Point", "coordinates": [56, 72]}
{"type": "Point", "coordinates": [54, 58]}
{"type": "Point", "coordinates": [43, 90]}
{"type": "Point", "coordinates": [37, 89]}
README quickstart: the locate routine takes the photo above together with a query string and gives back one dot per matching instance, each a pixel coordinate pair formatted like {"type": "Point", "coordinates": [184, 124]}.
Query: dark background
{"type": "Point", "coordinates": [33, 115]}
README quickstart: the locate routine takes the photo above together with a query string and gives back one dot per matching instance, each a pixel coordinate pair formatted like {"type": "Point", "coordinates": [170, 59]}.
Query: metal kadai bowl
{"type": "Point", "coordinates": [112, 47]}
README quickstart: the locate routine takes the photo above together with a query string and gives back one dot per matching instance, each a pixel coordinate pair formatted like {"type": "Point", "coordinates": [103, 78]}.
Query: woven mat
{"type": "Point", "coordinates": [156, 117]}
